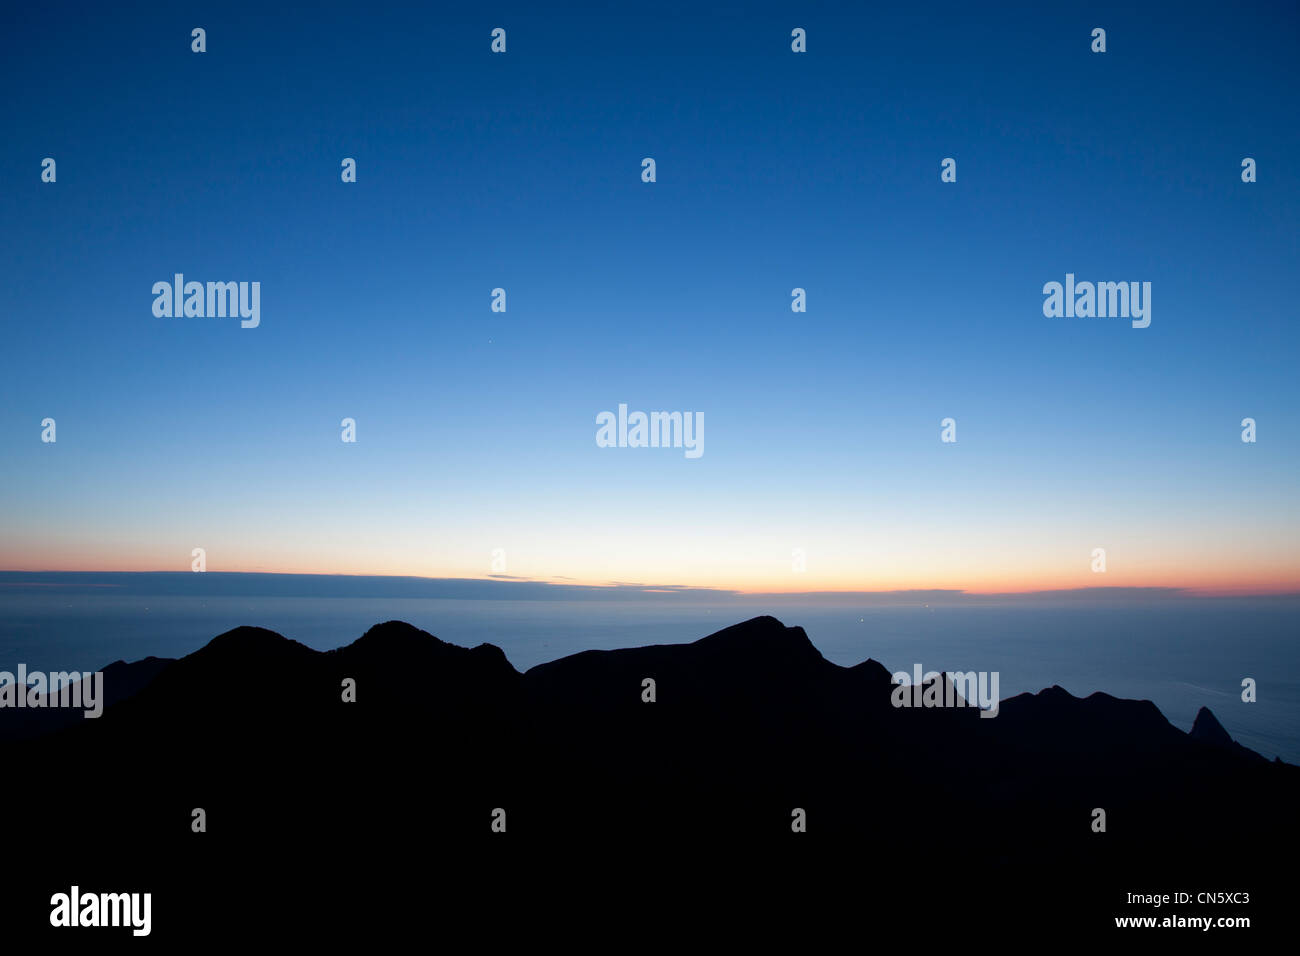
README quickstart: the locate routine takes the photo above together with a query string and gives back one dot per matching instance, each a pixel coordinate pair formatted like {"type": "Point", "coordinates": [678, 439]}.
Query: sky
{"type": "Point", "coordinates": [476, 430]}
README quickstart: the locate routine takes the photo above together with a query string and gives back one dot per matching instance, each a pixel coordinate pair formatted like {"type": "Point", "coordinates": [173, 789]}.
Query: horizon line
{"type": "Point", "coordinates": [659, 589]}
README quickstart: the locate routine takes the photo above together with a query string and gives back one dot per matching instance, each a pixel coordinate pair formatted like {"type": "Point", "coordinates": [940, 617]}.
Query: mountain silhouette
{"type": "Point", "coordinates": [748, 727]}
{"type": "Point", "coordinates": [121, 680]}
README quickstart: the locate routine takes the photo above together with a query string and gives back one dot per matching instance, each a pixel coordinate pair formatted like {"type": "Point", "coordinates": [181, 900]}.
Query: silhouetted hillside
{"type": "Point", "coordinates": [747, 726]}
{"type": "Point", "coordinates": [121, 680]}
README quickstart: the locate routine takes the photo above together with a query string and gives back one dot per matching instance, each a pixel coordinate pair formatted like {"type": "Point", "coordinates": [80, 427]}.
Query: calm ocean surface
{"type": "Point", "coordinates": [1180, 654]}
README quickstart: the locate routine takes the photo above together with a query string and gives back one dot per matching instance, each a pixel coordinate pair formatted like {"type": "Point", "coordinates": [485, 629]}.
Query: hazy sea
{"type": "Point", "coordinates": [1180, 654]}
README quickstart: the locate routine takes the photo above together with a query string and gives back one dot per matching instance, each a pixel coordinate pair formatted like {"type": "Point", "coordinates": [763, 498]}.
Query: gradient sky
{"type": "Point", "coordinates": [477, 430]}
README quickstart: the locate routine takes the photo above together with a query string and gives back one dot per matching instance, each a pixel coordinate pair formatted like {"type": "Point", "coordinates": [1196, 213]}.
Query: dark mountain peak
{"type": "Point", "coordinates": [123, 680]}
{"type": "Point", "coordinates": [396, 636]}
{"type": "Point", "coordinates": [250, 642]}
{"type": "Point", "coordinates": [1099, 722]}
{"type": "Point", "coordinates": [744, 660]}
{"type": "Point", "coordinates": [246, 647]}
{"type": "Point", "coordinates": [1142, 711]}
{"type": "Point", "coordinates": [150, 665]}
{"type": "Point", "coordinates": [1207, 728]}
{"type": "Point", "coordinates": [201, 681]}
{"type": "Point", "coordinates": [490, 654]}
{"type": "Point", "coordinates": [1054, 698]}
{"type": "Point", "coordinates": [763, 636]}
{"type": "Point", "coordinates": [399, 644]}
{"type": "Point", "coordinates": [873, 671]}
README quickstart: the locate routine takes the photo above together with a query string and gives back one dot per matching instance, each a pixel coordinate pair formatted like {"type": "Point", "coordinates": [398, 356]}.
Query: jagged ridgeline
{"type": "Point", "coordinates": [746, 739]}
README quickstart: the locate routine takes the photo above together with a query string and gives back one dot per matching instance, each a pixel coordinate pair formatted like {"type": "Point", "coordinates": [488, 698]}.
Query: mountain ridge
{"type": "Point", "coordinates": [759, 761]}
{"type": "Point", "coordinates": [737, 644]}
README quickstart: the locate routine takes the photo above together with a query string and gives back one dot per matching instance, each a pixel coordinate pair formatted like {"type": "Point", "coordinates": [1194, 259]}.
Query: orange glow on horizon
{"type": "Point", "coordinates": [1244, 582]}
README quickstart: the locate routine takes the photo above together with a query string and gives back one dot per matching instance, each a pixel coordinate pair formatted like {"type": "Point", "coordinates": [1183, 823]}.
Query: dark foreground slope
{"type": "Point", "coordinates": [375, 815]}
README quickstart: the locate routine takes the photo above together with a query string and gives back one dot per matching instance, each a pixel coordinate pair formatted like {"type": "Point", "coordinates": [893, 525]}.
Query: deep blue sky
{"type": "Point", "coordinates": [775, 170]}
